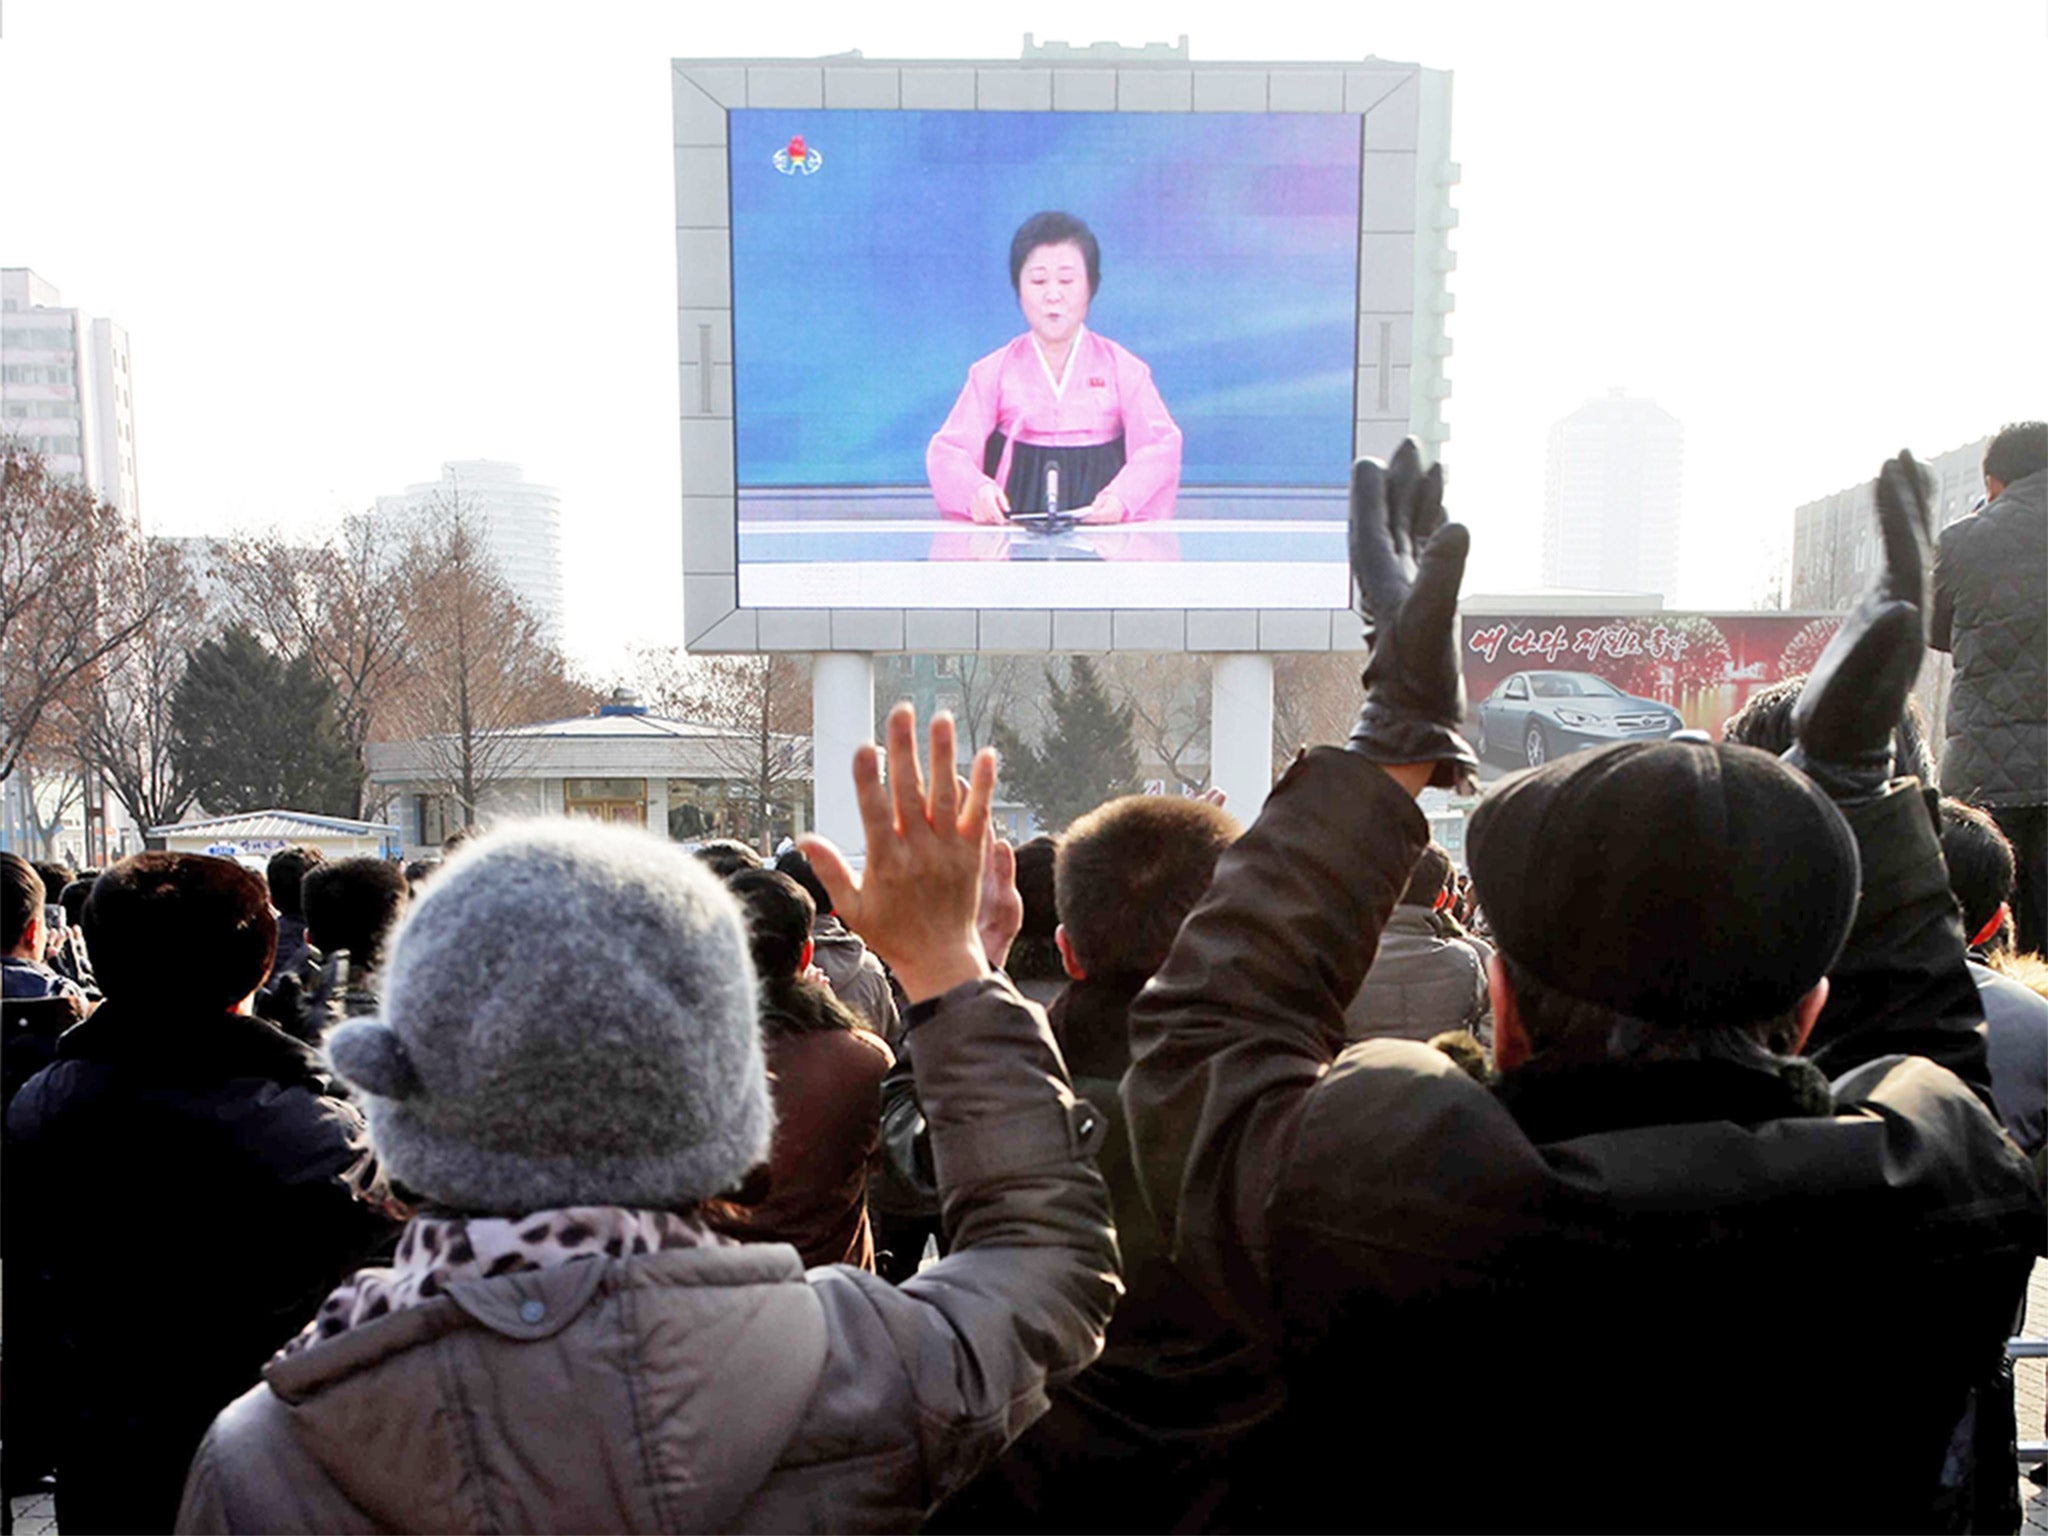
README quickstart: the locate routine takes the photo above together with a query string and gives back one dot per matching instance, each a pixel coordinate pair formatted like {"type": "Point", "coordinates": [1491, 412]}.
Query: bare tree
{"type": "Point", "coordinates": [1316, 695]}
{"type": "Point", "coordinates": [762, 707]}
{"type": "Point", "coordinates": [993, 688]}
{"type": "Point", "coordinates": [121, 724]}
{"type": "Point", "coordinates": [69, 599]}
{"type": "Point", "coordinates": [1170, 701]}
{"type": "Point", "coordinates": [52, 780]}
{"type": "Point", "coordinates": [480, 664]}
{"type": "Point", "coordinates": [665, 678]}
{"type": "Point", "coordinates": [339, 604]}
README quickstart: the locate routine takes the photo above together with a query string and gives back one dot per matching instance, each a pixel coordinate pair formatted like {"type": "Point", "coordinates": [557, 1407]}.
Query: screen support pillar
{"type": "Point", "coordinates": [1241, 731]}
{"type": "Point", "coordinates": [842, 717]}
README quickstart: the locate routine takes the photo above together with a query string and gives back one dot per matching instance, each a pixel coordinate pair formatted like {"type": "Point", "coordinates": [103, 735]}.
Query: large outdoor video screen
{"type": "Point", "coordinates": [1043, 359]}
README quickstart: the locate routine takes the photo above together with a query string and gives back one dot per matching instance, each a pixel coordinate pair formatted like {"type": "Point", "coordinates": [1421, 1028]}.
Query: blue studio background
{"type": "Point", "coordinates": [862, 293]}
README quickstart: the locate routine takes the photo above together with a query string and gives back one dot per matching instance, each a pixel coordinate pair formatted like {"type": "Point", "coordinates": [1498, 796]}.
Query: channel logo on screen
{"type": "Point", "coordinates": [797, 158]}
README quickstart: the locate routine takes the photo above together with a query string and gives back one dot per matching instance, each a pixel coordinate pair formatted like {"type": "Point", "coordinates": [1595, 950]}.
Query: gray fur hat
{"type": "Point", "coordinates": [569, 1019]}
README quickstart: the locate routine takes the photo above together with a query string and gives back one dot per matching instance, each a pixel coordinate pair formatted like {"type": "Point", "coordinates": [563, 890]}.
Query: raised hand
{"type": "Point", "coordinates": [999, 918]}
{"type": "Point", "coordinates": [1853, 699]}
{"type": "Point", "coordinates": [1408, 563]}
{"type": "Point", "coordinates": [916, 902]}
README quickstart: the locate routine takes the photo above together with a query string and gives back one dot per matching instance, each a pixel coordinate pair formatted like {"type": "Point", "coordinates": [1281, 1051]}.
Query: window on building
{"type": "Point", "coordinates": [616, 800]}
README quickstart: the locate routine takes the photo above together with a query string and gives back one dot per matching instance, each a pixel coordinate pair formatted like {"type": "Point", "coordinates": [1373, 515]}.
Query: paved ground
{"type": "Point", "coordinates": [2030, 1383]}
{"type": "Point", "coordinates": [35, 1516]}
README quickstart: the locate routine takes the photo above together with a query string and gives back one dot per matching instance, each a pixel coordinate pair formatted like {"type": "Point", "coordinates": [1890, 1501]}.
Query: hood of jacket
{"type": "Point", "coordinates": [651, 1393]}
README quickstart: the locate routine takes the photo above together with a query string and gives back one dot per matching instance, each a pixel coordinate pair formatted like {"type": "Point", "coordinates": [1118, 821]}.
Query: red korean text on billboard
{"type": "Point", "coordinates": [1702, 666]}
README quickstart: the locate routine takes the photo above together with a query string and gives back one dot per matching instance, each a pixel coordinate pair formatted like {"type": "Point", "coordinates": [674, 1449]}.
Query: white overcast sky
{"type": "Point", "coordinates": [349, 241]}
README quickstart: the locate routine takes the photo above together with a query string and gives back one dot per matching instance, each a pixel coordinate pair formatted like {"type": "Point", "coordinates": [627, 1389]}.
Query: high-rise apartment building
{"type": "Point", "coordinates": [65, 388]}
{"type": "Point", "coordinates": [1835, 543]}
{"type": "Point", "coordinates": [521, 524]}
{"type": "Point", "coordinates": [1610, 521]}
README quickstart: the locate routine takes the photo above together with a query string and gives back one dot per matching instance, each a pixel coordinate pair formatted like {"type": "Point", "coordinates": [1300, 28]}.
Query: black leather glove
{"type": "Point", "coordinates": [1843, 723]}
{"type": "Point", "coordinates": [1408, 562]}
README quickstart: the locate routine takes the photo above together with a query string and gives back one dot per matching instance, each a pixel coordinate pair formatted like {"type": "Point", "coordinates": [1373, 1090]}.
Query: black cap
{"type": "Point", "coordinates": [1681, 883]}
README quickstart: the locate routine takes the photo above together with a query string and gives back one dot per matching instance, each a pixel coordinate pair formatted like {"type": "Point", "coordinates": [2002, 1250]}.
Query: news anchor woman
{"type": "Point", "coordinates": [1059, 413]}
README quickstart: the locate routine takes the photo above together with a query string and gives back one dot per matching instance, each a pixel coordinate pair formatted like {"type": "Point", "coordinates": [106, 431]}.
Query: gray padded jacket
{"type": "Point", "coordinates": [1991, 611]}
{"type": "Point", "coordinates": [1421, 984]}
{"type": "Point", "coordinates": [714, 1389]}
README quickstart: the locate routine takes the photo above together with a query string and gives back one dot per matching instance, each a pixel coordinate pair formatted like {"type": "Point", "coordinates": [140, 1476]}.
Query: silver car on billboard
{"type": "Point", "coordinates": [1532, 717]}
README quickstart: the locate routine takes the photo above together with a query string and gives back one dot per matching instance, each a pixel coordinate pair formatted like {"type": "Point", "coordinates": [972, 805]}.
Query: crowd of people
{"type": "Point", "coordinates": [1678, 1165]}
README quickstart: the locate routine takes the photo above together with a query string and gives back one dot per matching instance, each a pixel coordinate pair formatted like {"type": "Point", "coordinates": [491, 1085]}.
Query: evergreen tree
{"type": "Point", "coordinates": [1089, 754]}
{"type": "Point", "coordinates": [256, 731]}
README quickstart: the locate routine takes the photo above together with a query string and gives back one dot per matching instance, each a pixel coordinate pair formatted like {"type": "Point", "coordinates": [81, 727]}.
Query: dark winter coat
{"type": "Point", "coordinates": [39, 1005]}
{"type": "Point", "coordinates": [180, 1194]}
{"type": "Point", "coordinates": [1534, 1309]}
{"type": "Point", "coordinates": [292, 949]}
{"type": "Point", "coordinates": [715, 1388]}
{"type": "Point", "coordinates": [2016, 1021]}
{"type": "Point", "coordinates": [826, 1078]}
{"type": "Point", "coordinates": [1991, 610]}
{"type": "Point", "coordinates": [1143, 1439]}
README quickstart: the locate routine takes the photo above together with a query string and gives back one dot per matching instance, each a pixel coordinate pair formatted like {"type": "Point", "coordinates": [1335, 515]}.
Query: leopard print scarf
{"type": "Point", "coordinates": [437, 1250]}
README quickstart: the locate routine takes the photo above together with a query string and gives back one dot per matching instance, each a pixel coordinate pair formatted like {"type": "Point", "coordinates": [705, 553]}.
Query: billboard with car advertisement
{"type": "Point", "coordinates": [1541, 685]}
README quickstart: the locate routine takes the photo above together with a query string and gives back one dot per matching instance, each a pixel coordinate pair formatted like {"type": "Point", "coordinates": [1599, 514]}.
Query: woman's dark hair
{"type": "Point", "coordinates": [1035, 956]}
{"type": "Point", "coordinates": [794, 864]}
{"type": "Point", "coordinates": [727, 856]}
{"type": "Point", "coordinates": [183, 928]}
{"type": "Point", "coordinates": [1054, 229]}
{"type": "Point", "coordinates": [779, 914]}
{"type": "Point", "coordinates": [1981, 870]}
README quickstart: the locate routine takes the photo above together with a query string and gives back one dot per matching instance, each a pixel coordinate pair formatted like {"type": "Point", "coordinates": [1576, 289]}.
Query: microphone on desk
{"type": "Point", "coordinates": [1052, 488]}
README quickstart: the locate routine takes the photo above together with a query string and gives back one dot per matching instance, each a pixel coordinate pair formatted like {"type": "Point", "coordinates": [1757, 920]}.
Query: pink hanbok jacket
{"type": "Point", "coordinates": [1106, 391]}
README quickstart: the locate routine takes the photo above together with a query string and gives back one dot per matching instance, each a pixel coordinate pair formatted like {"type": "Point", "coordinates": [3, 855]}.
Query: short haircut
{"type": "Point", "coordinates": [180, 928]}
{"type": "Point", "coordinates": [287, 867]}
{"type": "Point", "coordinates": [1052, 228]}
{"type": "Point", "coordinates": [353, 904]}
{"type": "Point", "coordinates": [2019, 450]}
{"type": "Point", "coordinates": [23, 890]}
{"type": "Point", "coordinates": [1765, 722]}
{"type": "Point", "coordinates": [1130, 872]}
{"type": "Point", "coordinates": [55, 875]}
{"type": "Point", "coordinates": [727, 856]}
{"type": "Point", "coordinates": [1981, 870]}
{"type": "Point", "coordinates": [779, 915]}
{"type": "Point", "coordinates": [72, 897]}
{"type": "Point", "coordinates": [1432, 876]}
{"type": "Point", "coordinates": [1035, 957]}
{"type": "Point", "coordinates": [1037, 861]}
{"type": "Point", "coordinates": [469, 832]}
{"type": "Point", "coordinates": [1567, 1030]}
{"type": "Point", "coordinates": [791, 862]}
